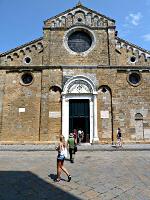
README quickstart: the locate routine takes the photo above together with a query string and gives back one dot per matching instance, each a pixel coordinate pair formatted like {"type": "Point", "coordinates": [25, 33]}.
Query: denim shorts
{"type": "Point", "coordinates": [60, 157]}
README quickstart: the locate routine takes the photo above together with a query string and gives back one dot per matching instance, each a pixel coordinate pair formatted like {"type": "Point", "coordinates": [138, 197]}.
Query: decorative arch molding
{"type": "Point", "coordinates": [79, 84]}
{"type": "Point", "coordinates": [80, 87]}
{"type": "Point", "coordinates": [105, 88]}
{"type": "Point", "coordinates": [55, 95]}
{"type": "Point", "coordinates": [138, 116]}
{"type": "Point", "coordinates": [56, 88]}
{"type": "Point", "coordinates": [79, 17]}
{"type": "Point", "coordinates": [139, 127]}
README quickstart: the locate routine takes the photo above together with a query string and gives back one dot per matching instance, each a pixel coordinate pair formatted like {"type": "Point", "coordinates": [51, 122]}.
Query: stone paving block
{"type": "Point", "coordinates": [146, 192]}
{"type": "Point", "coordinates": [91, 194]}
{"type": "Point", "coordinates": [74, 185]}
{"type": "Point", "coordinates": [125, 196]}
{"type": "Point", "coordinates": [107, 195]}
{"type": "Point", "coordinates": [83, 188]}
{"type": "Point", "coordinates": [141, 196]}
{"type": "Point", "coordinates": [76, 192]}
{"type": "Point", "coordinates": [101, 189]}
{"type": "Point", "coordinates": [110, 185]}
{"type": "Point", "coordinates": [125, 186]}
{"type": "Point", "coordinates": [116, 191]}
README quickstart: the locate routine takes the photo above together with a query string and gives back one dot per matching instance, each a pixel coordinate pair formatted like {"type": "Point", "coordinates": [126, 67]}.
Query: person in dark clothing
{"type": "Point", "coordinates": [119, 135]}
{"type": "Point", "coordinates": [71, 144]}
{"type": "Point", "coordinates": [75, 134]}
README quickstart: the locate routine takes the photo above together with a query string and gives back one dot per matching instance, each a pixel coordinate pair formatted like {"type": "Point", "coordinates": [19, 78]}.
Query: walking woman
{"type": "Point", "coordinates": [60, 159]}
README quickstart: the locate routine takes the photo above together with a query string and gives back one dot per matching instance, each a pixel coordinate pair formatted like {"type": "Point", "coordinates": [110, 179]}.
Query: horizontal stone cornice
{"type": "Point", "coordinates": [40, 68]}
{"type": "Point", "coordinates": [76, 25]}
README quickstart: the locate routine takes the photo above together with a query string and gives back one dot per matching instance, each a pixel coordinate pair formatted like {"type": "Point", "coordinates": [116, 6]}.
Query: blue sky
{"type": "Point", "coordinates": [21, 21]}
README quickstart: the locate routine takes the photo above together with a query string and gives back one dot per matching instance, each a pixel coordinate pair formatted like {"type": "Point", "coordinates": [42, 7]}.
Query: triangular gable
{"type": "Point", "coordinates": [81, 15]}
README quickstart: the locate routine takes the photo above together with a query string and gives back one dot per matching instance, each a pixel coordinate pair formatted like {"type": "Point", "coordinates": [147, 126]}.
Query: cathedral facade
{"type": "Point", "coordinates": [78, 75]}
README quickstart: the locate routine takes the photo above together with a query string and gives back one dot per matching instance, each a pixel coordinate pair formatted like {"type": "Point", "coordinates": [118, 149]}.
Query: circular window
{"type": "Point", "coordinates": [79, 41]}
{"type": "Point", "coordinates": [27, 60]}
{"type": "Point", "coordinates": [26, 78]}
{"type": "Point", "coordinates": [134, 78]}
{"type": "Point", "coordinates": [79, 19]}
{"type": "Point", "coordinates": [132, 59]}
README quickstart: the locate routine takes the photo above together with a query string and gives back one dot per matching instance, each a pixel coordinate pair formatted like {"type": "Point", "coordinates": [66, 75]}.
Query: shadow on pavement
{"type": "Point", "coordinates": [54, 176]}
{"type": "Point", "coordinates": [24, 185]}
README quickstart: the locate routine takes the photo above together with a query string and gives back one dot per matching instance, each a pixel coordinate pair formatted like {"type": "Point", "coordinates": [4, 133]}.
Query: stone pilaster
{"type": "Point", "coordinates": [44, 136]}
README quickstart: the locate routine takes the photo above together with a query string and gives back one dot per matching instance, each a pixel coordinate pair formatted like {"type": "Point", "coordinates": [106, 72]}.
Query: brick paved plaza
{"type": "Point", "coordinates": [119, 175]}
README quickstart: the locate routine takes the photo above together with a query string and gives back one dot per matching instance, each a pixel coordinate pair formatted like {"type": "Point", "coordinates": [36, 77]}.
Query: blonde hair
{"type": "Point", "coordinates": [62, 139]}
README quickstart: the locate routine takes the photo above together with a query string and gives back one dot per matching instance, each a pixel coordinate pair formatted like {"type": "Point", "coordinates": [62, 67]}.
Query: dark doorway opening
{"type": "Point", "coordinates": [79, 117]}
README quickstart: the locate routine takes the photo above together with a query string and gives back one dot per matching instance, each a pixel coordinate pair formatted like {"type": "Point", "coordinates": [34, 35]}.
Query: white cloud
{"type": "Point", "coordinates": [134, 19]}
{"type": "Point", "coordinates": [146, 37]}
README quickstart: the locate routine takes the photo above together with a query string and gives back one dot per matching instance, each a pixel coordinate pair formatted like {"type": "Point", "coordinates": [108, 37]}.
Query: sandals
{"type": "Point", "coordinates": [57, 179]}
{"type": "Point", "coordinates": [69, 178]}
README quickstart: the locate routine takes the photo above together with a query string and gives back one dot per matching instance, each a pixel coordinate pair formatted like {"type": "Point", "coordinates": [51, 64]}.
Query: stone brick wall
{"type": "Point", "coordinates": [50, 127]}
{"type": "Point", "coordinates": [123, 58]}
{"type": "Point", "coordinates": [59, 55]}
{"type": "Point", "coordinates": [127, 102]}
{"type": "Point", "coordinates": [24, 125]}
{"type": "Point", "coordinates": [16, 57]}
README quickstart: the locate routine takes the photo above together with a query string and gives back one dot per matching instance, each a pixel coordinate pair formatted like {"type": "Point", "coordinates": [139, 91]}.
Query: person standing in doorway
{"type": "Point", "coordinates": [80, 135]}
{"type": "Point", "coordinates": [71, 144]}
{"type": "Point", "coordinates": [119, 142]}
{"type": "Point", "coordinates": [75, 135]}
{"type": "Point", "coordinates": [60, 159]}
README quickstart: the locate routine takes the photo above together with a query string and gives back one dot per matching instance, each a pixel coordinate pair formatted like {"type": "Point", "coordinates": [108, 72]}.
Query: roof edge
{"type": "Point", "coordinates": [21, 46]}
{"type": "Point", "coordinates": [140, 48]}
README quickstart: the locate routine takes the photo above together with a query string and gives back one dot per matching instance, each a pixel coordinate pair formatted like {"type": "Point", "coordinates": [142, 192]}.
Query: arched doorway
{"type": "Point", "coordinates": [79, 107]}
